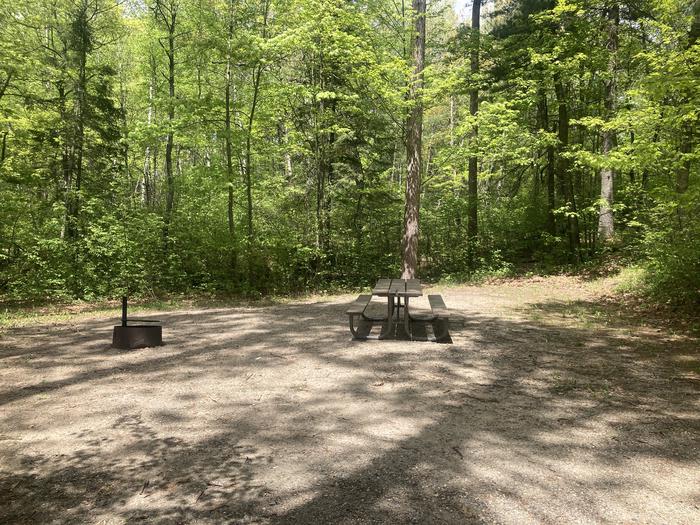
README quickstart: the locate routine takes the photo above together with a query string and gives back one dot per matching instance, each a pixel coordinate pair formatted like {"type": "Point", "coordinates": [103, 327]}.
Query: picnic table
{"type": "Point", "coordinates": [395, 290]}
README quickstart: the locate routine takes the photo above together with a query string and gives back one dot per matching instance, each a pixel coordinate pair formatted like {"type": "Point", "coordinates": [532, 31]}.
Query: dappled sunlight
{"type": "Point", "coordinates": [273, 413]}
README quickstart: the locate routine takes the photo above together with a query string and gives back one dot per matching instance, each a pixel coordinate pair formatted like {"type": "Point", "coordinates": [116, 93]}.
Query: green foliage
{"type": "Point", "coordinates": [317, 106]}
{"type": "Point", "coordinates": [673, 248]}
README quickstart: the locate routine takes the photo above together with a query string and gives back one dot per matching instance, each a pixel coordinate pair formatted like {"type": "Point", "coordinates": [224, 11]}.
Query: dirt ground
{"type": "Point", "coordinates": [549, 406]}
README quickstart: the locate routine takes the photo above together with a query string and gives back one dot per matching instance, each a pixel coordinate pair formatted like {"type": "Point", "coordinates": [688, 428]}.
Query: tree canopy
{"type": "Point", "coordinates": [265, 146]}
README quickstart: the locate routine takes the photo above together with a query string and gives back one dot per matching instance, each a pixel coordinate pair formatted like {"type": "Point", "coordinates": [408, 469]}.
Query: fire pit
{"type": "Point", "coordinates": [136, 333]}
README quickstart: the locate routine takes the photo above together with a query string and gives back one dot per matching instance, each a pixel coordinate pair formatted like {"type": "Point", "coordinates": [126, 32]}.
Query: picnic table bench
{"type": "Point", "coordinates": [394, 290]}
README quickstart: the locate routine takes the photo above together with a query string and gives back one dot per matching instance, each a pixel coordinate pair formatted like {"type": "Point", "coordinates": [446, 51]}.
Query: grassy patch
{"type": "Point", "coordinates": [631, 279]}
{"type": "Point", "coordinates": [26, 315]}
{"type": "Point", "coordinates": [14, 314]}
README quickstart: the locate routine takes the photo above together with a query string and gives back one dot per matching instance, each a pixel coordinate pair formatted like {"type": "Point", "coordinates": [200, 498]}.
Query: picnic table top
{"type": "Point", "coordinates": [402, 287]}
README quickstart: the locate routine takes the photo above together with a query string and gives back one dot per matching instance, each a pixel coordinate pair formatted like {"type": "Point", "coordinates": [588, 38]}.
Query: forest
{"type": "Point", "coordinates": [275, 146]}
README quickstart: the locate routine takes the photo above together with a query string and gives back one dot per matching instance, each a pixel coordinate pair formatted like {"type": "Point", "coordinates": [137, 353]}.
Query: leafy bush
{"type": "Point", "coordinates": [674, 256]}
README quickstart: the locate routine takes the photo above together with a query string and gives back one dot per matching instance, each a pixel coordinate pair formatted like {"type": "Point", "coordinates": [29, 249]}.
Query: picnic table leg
{"type": "Point", "coordinates": [443, 329]}
{"type": "Point", "coordinates": [406, 318]}
{"type": "Point", "coordinates": [390, 318]}
{"type": "Point", "coordinates": [353, 330]}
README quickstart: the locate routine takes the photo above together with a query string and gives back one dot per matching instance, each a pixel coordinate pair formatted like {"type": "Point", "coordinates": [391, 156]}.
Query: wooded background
{"type": "Point", "coordinates": [260, 146]}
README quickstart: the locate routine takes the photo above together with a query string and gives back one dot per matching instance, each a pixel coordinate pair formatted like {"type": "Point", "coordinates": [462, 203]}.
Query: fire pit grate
{"type": "Point", "coordinates": [135, 332]}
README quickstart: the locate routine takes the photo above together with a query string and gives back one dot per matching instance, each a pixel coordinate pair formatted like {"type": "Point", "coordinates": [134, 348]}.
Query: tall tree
{"type": "Point", "coordinates": [166, 12]}
{"type": "Point", "coordinates": [606, 225]}
{"type": "Point", "coordinates": [543, 117]}
{"type": "Point", "coordinates": [472, 188]}
{"type": "Point", "coordinates": [688, 127]}
{"type": "Point", "coordinates": [256, 77]}
{"type": "Point", "coordinates": [228, 87]}
{"type": "Point", "coordinates": [414, 133]}
{"type": "Point", "coordinates": [563, 169]}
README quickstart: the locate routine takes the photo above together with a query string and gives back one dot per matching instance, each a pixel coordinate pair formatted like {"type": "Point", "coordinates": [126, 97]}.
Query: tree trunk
{"type": "Point", "coordinates": [319, 179]}
{"type": "Point", "coordinates": [414, 132]}
{"type": "Point", "coordinates": [472, 192]}
{"type": "Point", "coordinates": [543, 118]}
{"type": "Point", "coordinates": [551, 200]}
{"type": "Point", "coordinates": [248, 153]}
{"type": "Point", "coordinates": [328, 176]}
{"type": "Point", "coordinates": [283, 140]}
{"type": "Point", "coordinates": [124, 125]}
{"type": "Point", "coordinates": [606, 225]}
{"type": "Point", "coordinates": [166, 12]}
{"type": "Point", "coordinates": [169, 175]}
{"type": "Point", "coordinates": [687, 130]}
{"type": "Point", "coordinates": [227, 123]}
{"type": "Point", "coordinates": [80, 40]}
{"type": "Point", "coordinates": [3, 147]}
{"type": "Point", "coordinates": [66, 160]}
{"type": "Point", "coordinates": [453, 122]}
{"type": "Point", "coordinates": [562, 169]}
{"type": "Point", "coordinates": [257, 75]}
{"type": "Point", "coordinates": [81, 87]}
{"type": "Point", "coordinates": [147, 189]}
{"type": "Point", "coordinates": [3, 88]}
{"type": "Point", "coordinates": [5, 84]}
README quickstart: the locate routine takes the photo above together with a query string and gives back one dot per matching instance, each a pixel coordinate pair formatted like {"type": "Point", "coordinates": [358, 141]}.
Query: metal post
{"type": "Point", "coordinates": [124, 310]}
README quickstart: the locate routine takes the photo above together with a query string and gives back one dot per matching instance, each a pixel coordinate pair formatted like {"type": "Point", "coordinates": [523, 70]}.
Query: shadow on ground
{"type": "Point", "coordinates": [273, 415]}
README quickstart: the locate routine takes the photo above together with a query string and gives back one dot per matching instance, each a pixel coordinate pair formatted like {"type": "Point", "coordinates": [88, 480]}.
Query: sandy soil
{"type": "Point", "coordinates": [548, 407]}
